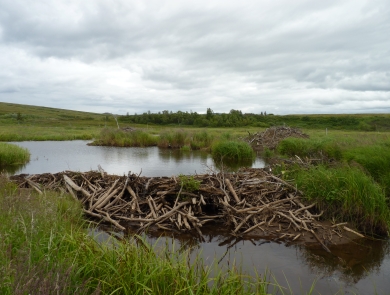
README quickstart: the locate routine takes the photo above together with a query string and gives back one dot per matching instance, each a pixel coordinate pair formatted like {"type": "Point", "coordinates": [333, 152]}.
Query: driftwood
{"type": "Point", "coordinates": [252, 199]}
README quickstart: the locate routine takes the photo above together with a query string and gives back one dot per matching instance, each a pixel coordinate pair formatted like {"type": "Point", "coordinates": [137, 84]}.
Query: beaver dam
{"type": "Point", "coordinates": [252, 200]}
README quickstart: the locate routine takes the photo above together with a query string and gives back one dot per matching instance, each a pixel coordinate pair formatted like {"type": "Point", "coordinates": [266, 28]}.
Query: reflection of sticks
{"type": "Point", "coordinates": [318, 239]}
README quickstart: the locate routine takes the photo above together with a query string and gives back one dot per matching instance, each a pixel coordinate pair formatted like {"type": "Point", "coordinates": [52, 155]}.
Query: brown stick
{"type": "Point", "coordinates": [34, 186]}
{"type": "Point", "coordinates": [253, 227]}
{"type": "Point", "coordinates": [76, 187]}
{"type": "Point", "coordinates": [105, 196]}
{"type": "Point", "coordinates": [166, 215]}
{"type": "Point", "coordinates": [231, 189]}
{"type": "Point", "coordinates": [104, 200]}
{"type": "Point", "coordinates": [352, 231]}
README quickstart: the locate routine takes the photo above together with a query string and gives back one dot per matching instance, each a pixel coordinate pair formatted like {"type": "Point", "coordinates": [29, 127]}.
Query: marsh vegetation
{"type": "Point", "coordinates": [11, 154]}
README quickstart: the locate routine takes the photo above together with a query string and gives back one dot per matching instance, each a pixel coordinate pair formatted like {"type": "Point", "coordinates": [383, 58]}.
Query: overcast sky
{"type": "Point", "coordinates": [278, 56]}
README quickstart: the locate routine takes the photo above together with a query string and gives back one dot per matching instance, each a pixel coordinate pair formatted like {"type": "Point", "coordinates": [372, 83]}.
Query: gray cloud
{"type": "Point", "coordinates": [132, 56]}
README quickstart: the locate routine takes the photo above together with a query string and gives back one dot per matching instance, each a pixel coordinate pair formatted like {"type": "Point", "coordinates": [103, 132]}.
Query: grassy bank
{"type": "Point", "coordinates": [121, 138]}
{"type": "Point", "coordinates": [11, 154]}
{"type": "Point", "coordinates": [44, 249]}
{"type": "Point", "coordinates": [351, 182]}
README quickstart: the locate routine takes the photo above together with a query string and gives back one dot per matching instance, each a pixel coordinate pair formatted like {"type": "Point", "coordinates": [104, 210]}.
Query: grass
{"type": "Point", "coordinates": [345, 194]}
{"type": "Point", "coordinates": [355, 187]}
{"type": "Point", "coordinates": [11, 154]}
{"type": "Point", "coordinates": [118, 137]}
{"type": "Point", "coordinates": [375, 160]}
{"type": "Point", "coordinates": [235, 150]}
{"type": "Point", "coordinates": [45, 249]}
{"type": "Point", "coordinates": [189, 183]}
{"type": "Point", "coordinates": [201, 140]}
{"type": "Point", "coordinates": [173, 139]}
{"type": "Point", "coordinates": [310, 148]}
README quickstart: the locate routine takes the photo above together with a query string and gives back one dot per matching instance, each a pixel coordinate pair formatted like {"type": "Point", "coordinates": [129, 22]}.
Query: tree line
{"type": "Point", "coordinates": [235, 118]}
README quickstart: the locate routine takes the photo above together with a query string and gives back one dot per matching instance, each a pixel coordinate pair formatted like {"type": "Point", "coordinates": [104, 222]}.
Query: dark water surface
{"type": "Point", "coordinates": [57, 156]}
{"type": "Point", "coordinates": [360, 267]}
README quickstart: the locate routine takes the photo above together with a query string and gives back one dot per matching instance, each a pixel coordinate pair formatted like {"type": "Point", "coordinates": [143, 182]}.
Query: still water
{"type": "Point", "coordinates": [58, 156]}
{"type": "Point", "coordinates": [359, 267]}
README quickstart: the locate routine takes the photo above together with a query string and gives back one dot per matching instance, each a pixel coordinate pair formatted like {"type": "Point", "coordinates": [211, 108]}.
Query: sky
{"type": "Point", "coordinates": [125, 56]}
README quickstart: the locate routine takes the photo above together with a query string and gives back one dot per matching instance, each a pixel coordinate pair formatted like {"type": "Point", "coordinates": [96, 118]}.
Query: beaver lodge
{"type": "Point", "coordinates": [247, 201]}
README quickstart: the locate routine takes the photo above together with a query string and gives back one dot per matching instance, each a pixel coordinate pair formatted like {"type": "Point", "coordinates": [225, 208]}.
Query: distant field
{"type": "Point", "coordinates": [24, 122]}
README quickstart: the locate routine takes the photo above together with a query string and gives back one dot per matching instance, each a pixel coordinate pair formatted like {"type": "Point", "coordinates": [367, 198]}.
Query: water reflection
{"type": "Point", "coordinates": [361, 266]}
{"type": "Point", "coordinates": [12, 169]}
{"type": "Point", "coordinates": [57, 156]}
{"type": "Point", "coordinates": [231, 165]}
{"type": "Point", "coordinates": [352, 262]}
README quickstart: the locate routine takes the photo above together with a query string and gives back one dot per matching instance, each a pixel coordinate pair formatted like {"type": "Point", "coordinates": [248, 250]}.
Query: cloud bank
{"type": "Point", "coordinates": [122, 56]}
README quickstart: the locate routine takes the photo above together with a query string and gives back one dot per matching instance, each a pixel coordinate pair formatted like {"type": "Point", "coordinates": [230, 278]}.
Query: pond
{"type": "Point", "coordinates": [359, 267]}
{"type": "Point", "coordinates": [58, 156]}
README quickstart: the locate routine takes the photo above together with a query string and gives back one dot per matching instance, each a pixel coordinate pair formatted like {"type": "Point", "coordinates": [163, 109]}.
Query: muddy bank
{"type": "Point", "coordinates": [252, 202]}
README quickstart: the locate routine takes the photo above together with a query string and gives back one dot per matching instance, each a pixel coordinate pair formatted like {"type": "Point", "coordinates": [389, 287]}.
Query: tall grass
{"type": "Point", "coordinates": [375, 160]}
{"type": "Point", "coordinates": [118, 137]}
{"type": "Point", "coordinates": [45, 249]}
{"type": "Point", "coordinates": [173, 139]}
{"type": "Point", "coordinates": [11, 154]}
{"type": "Point", "coordinates": [201, 140]}
{"type": "Point", "coordinates": [234, 150]}
{"type": "Point", "coordinates": [346, 194]}
{"type": "Point", "coordinates": [310, 147]}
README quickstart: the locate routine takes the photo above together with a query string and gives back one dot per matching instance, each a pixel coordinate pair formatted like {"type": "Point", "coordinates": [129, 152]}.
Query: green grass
{"type": "Point", "coordinates": [345, 194]}
{"type": "Point", "coordinates": [375, 160]}
{"type": "Point", "coordinates": [311, 148]}
{"type": "Point", "coordinates": [234, 150]}
{"type": "Point", "coordinates": [173, 139]}
{"type": "Point", "coordinates": [355, 186]}
{"type": "Point", "coordinates": [201, 140]}
{"type": "Point", "coordinates": [118, 137]}
{"type": "Point", "coordinates": [45, 249]}
{"type": "Point", "coordinates": [11, 154]}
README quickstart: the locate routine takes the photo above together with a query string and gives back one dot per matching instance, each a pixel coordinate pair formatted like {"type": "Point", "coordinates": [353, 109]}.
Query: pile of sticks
{"type": "Point", "coordinates": [249, 200]}
{"type": "Point", "coordinates": [272, 136]}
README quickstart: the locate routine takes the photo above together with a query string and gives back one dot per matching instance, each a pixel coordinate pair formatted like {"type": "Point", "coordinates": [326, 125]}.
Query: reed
{"type": "Point", "coordinates": [201, 140]}
{"type": "Point", "coordinates": [173, 139]}
{"type": "Point", "coordinates": [11, 154]}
